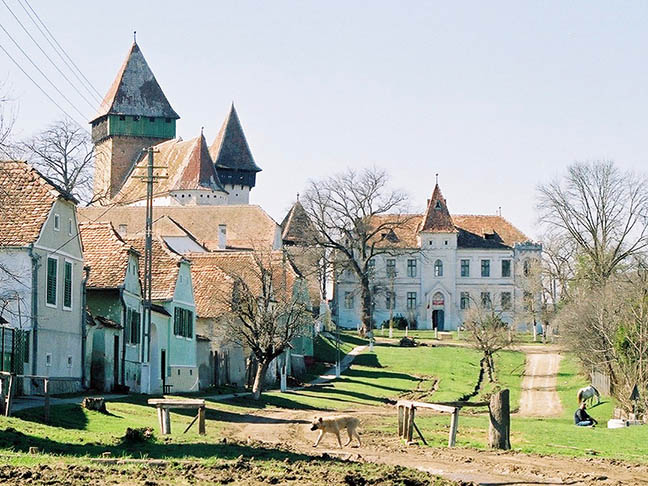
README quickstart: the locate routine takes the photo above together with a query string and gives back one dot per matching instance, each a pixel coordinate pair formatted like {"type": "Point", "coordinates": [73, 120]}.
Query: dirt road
{"type": "Point", "coordinates": [292, 429]}
{"type": "Point", "coordinates": [539, 396]}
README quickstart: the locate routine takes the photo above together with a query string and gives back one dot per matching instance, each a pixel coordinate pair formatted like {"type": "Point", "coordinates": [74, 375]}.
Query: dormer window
{"type": "Point", "coordinates": [489, 236]}
{"type": "Point", "coordinates": [122, 118]}
{"type": "Point", "coordinates": [437, 205]}
{"type": "Point", "coordinates": [167, 120]}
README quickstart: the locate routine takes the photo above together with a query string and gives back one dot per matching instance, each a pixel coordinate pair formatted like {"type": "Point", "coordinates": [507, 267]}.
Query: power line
{"type": "Point", "coordinates": [39, 86]}
{"type": "Point", "coordinates": [90, 104]}
{"type": "Point", "coordinates": [59, 46]}
{"type": "Point", "coordinates": [41, 72]}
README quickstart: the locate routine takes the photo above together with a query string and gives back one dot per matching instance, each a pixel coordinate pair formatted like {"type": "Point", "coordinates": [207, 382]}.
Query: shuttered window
{"type": "Point", "coordinates": [182, 322]}
{"type": "Point", "coordinates": [52, 270]}
{"type": "Point", "coordinates": [67, 287]}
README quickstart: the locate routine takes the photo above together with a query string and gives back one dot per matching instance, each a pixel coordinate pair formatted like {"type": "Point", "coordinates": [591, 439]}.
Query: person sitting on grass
{"type": "Point", "coordinates": [582, 418]}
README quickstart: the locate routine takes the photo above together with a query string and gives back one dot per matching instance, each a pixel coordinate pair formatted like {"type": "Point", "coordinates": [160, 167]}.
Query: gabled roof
{"type": "Point", "coordinates": [297, 227]}
{"type": "Point", "coordinates": [437, 217]}
{"type": "Point", "coordinates": [198, 171]}
{"type": "Point", "coordinates": [183, 165]}
{"type": "Point", "coordinates": [248, 225]}
{"type": "Point", "coordinates": [106, 253]}
{"type": "Point", "coordinates": [230, 150]}
{"type": "Point", "coordinates": [135, 91]}
{"type": "Point", "coordinates": [26, 199]}
{"type": "Point", "coordinates": [166, 266]}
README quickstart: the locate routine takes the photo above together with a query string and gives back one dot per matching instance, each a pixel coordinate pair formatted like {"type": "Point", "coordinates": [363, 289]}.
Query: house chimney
{"type": "Point", "coordinates": [222, 236]}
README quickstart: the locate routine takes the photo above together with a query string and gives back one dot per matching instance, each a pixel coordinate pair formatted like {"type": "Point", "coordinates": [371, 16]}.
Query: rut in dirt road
{"type": "Point", "coordinates": [539, 396]}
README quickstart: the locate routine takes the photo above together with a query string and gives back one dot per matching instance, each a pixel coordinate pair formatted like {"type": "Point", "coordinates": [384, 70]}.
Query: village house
{"type": "Point", "coordinates": [114, 298]}
{"type": "Point", "coordinates": [439, 265]}
{"type": "Point", "coordinates": [41, 279]}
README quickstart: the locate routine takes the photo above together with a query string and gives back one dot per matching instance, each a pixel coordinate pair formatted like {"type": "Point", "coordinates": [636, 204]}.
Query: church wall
{"type": "Point", "coordinates": [237, 194]}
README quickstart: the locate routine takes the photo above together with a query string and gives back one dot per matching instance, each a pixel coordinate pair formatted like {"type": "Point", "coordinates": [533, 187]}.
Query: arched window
{"type": "Point", "coordinates": [527, 267]}
{"type": "Point", "coordinates": [438, 268]}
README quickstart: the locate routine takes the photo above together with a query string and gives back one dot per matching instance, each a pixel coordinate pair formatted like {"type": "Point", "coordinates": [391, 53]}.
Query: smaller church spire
{"type": "Point", "coordinates": [437, 217]}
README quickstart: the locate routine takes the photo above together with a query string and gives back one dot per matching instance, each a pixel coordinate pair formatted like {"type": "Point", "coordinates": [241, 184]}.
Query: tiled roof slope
{"type": "Point", "coordinates": [401, 230]}
{"type": "Point", "coordinates": [135, 91]}
{"type": "Point", "coordinates": [106, 254]}
{"type": "Point", "coordinates": [184, 165]}
{"type": "Point", "coordinates": [166, 265]}
{"type": "Point", "coordinates": [297, 227]}
{"type": "Point", "coordinates": [437, 217]}
{"type": "Point", "coordinates": [474, 231]}
{"type": "Point", "coordinates": [230, 150]}
{"type": "Point", "coordinates": [212, 286]}
{"type": "Point", "coordinates": [248, 226]}
{"type": "Point", "coordinates": [240, 264]}
{"type": "Point", "coordinates": [481, 231]}
{"type": "Point", "coordinates": [26, 198]}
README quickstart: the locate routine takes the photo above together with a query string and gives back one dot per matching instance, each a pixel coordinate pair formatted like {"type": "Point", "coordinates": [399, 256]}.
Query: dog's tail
{"type": "Point", "coordinates": [580, 396]}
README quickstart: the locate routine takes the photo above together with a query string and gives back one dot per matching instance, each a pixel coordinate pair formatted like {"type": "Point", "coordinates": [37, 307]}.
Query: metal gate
{"type": "Point", "coordinates": [14, 352]}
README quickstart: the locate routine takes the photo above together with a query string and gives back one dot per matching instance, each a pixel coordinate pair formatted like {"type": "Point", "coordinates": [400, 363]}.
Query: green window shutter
{"type": "Point", "coordinates": [127, 326]}
{"type": "Point", "coordinates": [136, 323]}
{"type": "Point", "coordinates": [176, 318]}
{"type": "Point", "coordinates": [190, 322]}
{"type": "Point", "coordinates": [51, 280]}
{"type": "Point", "coordinates": [67, 289]}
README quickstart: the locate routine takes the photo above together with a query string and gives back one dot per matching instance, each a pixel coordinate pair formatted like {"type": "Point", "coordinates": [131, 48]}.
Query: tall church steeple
{"type": "Point", "coordinates": [134, 114]}
{"type": "Point", "coordinates": [233, 159]}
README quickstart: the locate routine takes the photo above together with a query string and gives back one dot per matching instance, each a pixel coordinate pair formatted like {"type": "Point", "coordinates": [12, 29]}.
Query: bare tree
{"type": "Point", "coordinates": [344, 209]}
{"type": "Point", "coordinates": [488, 332]}
{"type": "Point", "coordinates": [603, 210]}
{"type": "Point", "coordinates": [269, 307]}
{"type": "Point", "coordinates": [64, 153]}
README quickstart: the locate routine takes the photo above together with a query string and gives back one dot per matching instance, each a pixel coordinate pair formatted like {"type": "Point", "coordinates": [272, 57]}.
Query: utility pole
{"type": "Point", "coordinates": [149, 178]}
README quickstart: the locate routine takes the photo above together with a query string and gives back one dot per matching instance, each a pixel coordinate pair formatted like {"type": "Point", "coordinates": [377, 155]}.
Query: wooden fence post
{"type": "Point", "coordinates": [410, 423]}
{"type": "Point", "coordinates": [47, 399]}
{"type": "Point", "coordinates": [9, 396]}
{"type": "Point", "coordinates": [166, 421]}
{"type": "Point", "coordinates": [500, 421]}
{"type": "Point", "coordinates": [2, 395]}
{"type": "Point", "coordinates": [201, 421]}
{"type": "Point", "coordinates": [454, 424]}
{"type": "Point", "coordinates": [401, 421]}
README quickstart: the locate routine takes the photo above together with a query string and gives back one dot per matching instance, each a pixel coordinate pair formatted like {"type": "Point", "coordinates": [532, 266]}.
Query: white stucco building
{"type": "Point", "coordinates": [439, 265]}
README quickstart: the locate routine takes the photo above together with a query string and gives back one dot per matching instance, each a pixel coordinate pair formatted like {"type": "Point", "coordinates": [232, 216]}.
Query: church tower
{"type": "Point", "coordinates": [134, 115]}
{"type": "Point", "coordinates": [233, 159]}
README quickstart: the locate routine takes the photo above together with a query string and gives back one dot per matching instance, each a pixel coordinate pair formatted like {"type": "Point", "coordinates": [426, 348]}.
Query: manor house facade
{"type": "Point", "coordinates": [440, 265]}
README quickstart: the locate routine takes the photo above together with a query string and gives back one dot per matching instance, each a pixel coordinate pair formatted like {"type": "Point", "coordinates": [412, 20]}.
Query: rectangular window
{"type": "Point", "coordinates": [486, 300]}
{"type": "Point", "coordinates": [411, 300]}
{"type": "Point", "coordinates": [485, 268]}
{"type": "Point", "coordinates": [391, 267]}
{"type": "Point", "coordinates": [411, 268]}
{"type": "Point", "coordinates": [506, 268]}
{"type": "Point", "coordinates": [132, 327]}
{"type": "Point", "coordinates": [67, 285]}
{"type": "Point", "coordinates": [371, 267]}
{"type": "Point", "coordinates": [183, 322]}
{"type": "Point", "coordinates": [465, 268]}
{"type": "Point", "coordinates": [70, 227]}
{"type": "Point", "coordinates": [52, 271]}
{"type": "Point", "coordinates": [464, 302]}
{"type": "Point", "coordinates": [348, 300]}
{"type": "Point", "coordinates": [505, 300]}
{"type": "Point", "coordinates": [390, 300]}
{"type": "Point", "coordinates": [57, 222]}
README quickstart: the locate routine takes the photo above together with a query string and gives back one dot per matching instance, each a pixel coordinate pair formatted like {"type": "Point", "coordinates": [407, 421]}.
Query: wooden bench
{"type": "Point", "coordinates": [165, 404]}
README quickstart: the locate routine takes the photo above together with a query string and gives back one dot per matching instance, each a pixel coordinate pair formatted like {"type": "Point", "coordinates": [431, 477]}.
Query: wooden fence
{"type": "Point", "coordinates": [601, 382]}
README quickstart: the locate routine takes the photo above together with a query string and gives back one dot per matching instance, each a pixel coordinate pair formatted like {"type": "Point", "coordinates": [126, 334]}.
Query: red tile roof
{"type": "Point", "coordinates": [26, 199]}
{"type": "Point", "coordinates": [106, 254]}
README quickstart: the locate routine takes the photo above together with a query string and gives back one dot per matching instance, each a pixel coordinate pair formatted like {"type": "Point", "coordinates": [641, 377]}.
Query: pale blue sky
{"type": "Point", "coordinates": [494, 96]}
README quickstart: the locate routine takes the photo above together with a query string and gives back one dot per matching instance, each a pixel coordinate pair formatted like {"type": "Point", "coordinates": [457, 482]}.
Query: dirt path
{"type": "Point", "coordinates": [539, 396]}
{"type": "Point", "coordinates": [292, 429]}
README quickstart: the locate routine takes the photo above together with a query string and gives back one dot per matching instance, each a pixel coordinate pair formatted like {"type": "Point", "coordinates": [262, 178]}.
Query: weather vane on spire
{"type": "Point", "coordinates": [437, 177]}
{"type": "Point", "coordinates": [135, 36]}
{"type": "Point", "coordinates": [297, 196]}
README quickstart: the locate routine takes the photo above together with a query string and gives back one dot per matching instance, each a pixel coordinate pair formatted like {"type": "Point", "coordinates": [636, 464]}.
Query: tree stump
{"type": "Point", "coordinates": [97, 404]}
{"type": "Point", "coordinates": [500, 421]}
